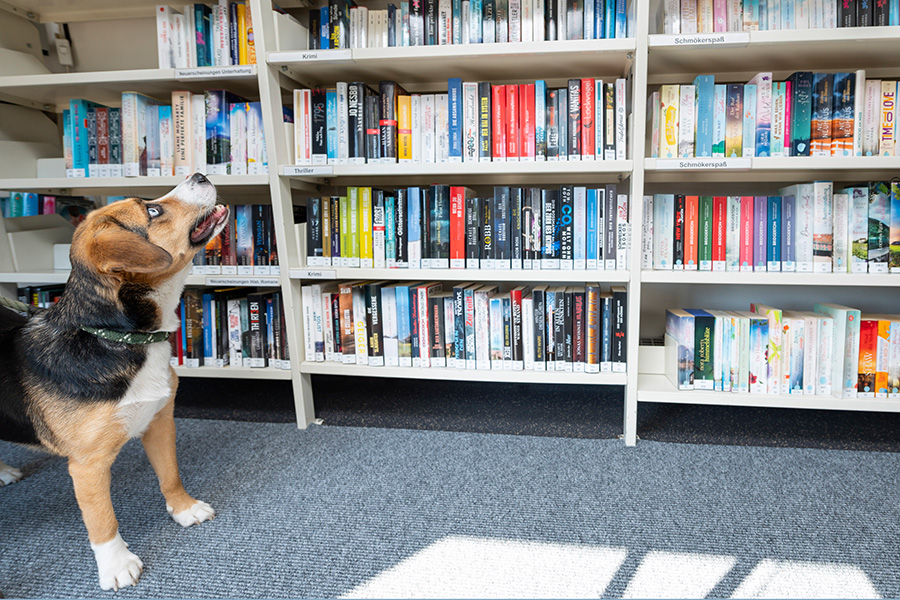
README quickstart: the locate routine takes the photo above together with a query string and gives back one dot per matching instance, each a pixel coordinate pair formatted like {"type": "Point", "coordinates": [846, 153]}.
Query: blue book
{"type": "Point", "coordinates": [455, 110]}
{"type": "Point", "coordinates": [203, 35]}
{"type": "Point", "coordinates": [184, 328]}
{"type": "Point", "coordinates": [788, 232]}
{"type": "Point", "coordinates": [773, 238]}
{"type": "Point", "coordinates": [788, 17]}
{"type": "Point", "coordinates": [894, 16]}
{"type": "Point", "coordinates": [475, 21]}
{"type": "Point", "coordinates": [456, 20]}
{"type": "Point", "coordinates": [324, 29]}
{"type": "Point", "coordinates": [763, 15]}
{"type": "Point", "coordinates": [748, 135]}
{"type": "Point", "coordinates": [390, 230]}
{"type": "Point", "coordinates": [79, 135]}
{"type": "Point", "coordinates": [706, 96]}
{"type": "Point", "coordinates": [30, 206]}
{"type": "Point", "coordinates": [621, 20]}
{"type": "Point", "coordinates": [208, 356]}
{"type": "Point", "coordinates": [235, 38]}
{"type": "Point", "coordinates": [610, 19]}
{"type": "Point", "coordinates": [589, 21]}
{"type": "Point", "coordinates": [801, 112]}
{"type": "Point", "coordinates": [751, 15]}
{"type": "Point", "coordinates": [606, 309]}
{"type": "Point", "coordinates": [404, 329]}
{"type": "Point", "coordinates": [562, 111]}
{"type": "Point", "coordinates": [331, 124]}
{"type": "Point", "coordinates": [599, 18]}
{"type": "Point", "coordinates": [719, 121]}
{"type": "Point", "coordinates": [414, 227]}
{"type": "Point", "coordinates": [540, 120]}
{"type": "Point", "coordinates": [17, 204]}
{"type": "Point", "coordinates": [392, 26]}
{"type": "Point", "coordinates": [591, 239]}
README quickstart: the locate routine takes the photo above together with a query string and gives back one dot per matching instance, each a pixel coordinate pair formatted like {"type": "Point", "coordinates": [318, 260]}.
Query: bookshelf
{"type": "Point", "coordinates": [647, 60]}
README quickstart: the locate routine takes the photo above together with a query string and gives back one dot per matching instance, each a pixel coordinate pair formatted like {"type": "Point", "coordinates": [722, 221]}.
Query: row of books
{"type": "Point", "coordinates": [236, 327]}
{"type": "Point", "coordinates": [474, 121]}
{"type": "Point", "coordinates": [809, 114]}
{"type": "Point", "coordinates": [721, 16]}
{"type": "Point", "coordinates": [343, 24]}
{"type": "Point", "coordinates": [247, 245]}
{"type": "Point", "coordinates": [833, 351]}
{"type": "Point", "coordinates": [30, 204]}
{"type": "Point", "coordinates": [807, 228]}
{"type": "Point", "coordinates": [200, 35]}
{"type": "Point", "coordinates": [472, 326]}
{"type": "Point", "coordinates": [40, 296]}
{"type": "Point", "coordinates": [441, 227]}
{"type": "Point", "coordinates": [214, 132]}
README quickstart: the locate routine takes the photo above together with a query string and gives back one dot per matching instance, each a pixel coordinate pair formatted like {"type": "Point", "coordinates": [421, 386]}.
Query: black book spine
{"type": "Point", "coordinates": [425, 217]}
{"type": "Point", "coordinates": [319, 123]}
{"type": "Point", "coordinates": [431, 22]}
{"type": "Point", "coordinates": [374, 325]}
{"type": "Point", "coordinates": [569, 335]}
{"type": "Point", "coordinates": [501, 223]}
{"type": "Point", "coordinates": [507, 329]}
{"type": "Point", "coordinates": [865, 16]}
{"type": "Point", "coordinates": [551, 15]}
{"type": "Point", "coordinates": [566, 224]}
{"type": "Point", "coordinates": [540, 327]}
{"type": "Point", "coordinates": [619, 324]}
{"type": "Point", "coordinates": [261, 227]}
{"type": "Point", "coordinates": [256, 304]}
{"type": "Point", "coordinates": [372, 118]}
{"type": "Point", "coordinates": [392, 25]}
{"type": "Point", "coordinates": [388, 121]}
{"type": "Point", "coordinates": [552, 124]}
{"type": "Point", "coordinates": [277, 340]}
{"type": "Point", "coordinates": [335, 228]}
{"type": "Point", "coordinates": [335, 322]}
{"type": "Point", "coordinates": [459, 322]}
{"type": "Point", "coordinates": [516, 318]}
{"type": "Point", "coordinates": [609, 212]}
{"type": "Point", "coordinates": [414, 323]}
{"type": "Point", "coordinates": [678, 231]}
{"type": "Point", "coordinates": [473, 232]}
{"type": "Point", "coordinates": [356, 94]}
{"type": "Point", "coordinates": [440, 232]}
{"type": "Point", "coordinates": [487, 229]}
{"type": "Point", "coordinates": [516, 226]}
{"type": "Point", "coordinates": [551, 241]}
{"type": "Point", "coordinates": [489, 29]}
{"type": "Point", "coordinates": [484, 121]}
{"type": "Point", "coordinates": [436, 326]}
{"type": "Point", "coordinates": [847, 13]}
{"type": "Point", "coordinates": [313, 30]}
{"type": "Point", "coordinates": [402, 230]}
{"type": "Point", "coordinates": [559, 325]}
{"type": "Point", "coordinates": [501, 18]}
{"type": "Point", "coordinates": [537, 212]}
{"type": "Point", "coordinates": [881, 16]}
{"type": "Point", "coordinates": [574, 118]}
{"type": "Point", "coordinates": [314, 247]}
{"type": "Point", "coordinates": [334, 23]}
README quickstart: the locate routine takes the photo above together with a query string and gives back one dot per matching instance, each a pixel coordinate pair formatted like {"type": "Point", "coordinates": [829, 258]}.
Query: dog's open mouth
{"type": "Point", "coordinates": [209, 224]}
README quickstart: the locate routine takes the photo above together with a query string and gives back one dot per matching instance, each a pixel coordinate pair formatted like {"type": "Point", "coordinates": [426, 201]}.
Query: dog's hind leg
{"type": "Point", "coordinates": [8, 474]}
{"type": "Point", "coordinates": [159, 443]}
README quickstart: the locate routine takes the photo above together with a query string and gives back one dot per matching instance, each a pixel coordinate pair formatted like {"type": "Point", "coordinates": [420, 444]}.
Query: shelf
{"type": "Point", "coordinates": [60, 277]}
{"type": "Point", "coordinates": [784, 279]}
{"type": "Point", "coordinates": [230, 185]}
{"type": "Point", "coordinates": [657, 388]}
{"type": "Point", "coordinates": [53, 91]}
{"type": "Point", "coordinates": [487, 275]}
{"type": "Point", "coordinates": [843, 49]}
{"type": "Point", "coordinates": [504, 376]}
{"type": "Point", "coordinates": [234, 373]}
{"type": "Point", "coordinates": [36, 278]}
{"type": "Point", "coordinates": [432, 65]}
{"type": "Point", "coordinates": [470, 173]}
{"type": "Point", "coordinates": [793, 169]}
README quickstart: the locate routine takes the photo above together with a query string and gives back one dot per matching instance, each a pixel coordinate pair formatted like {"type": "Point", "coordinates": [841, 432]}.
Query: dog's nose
{"type": "Point", "coordinates": [199, 178]}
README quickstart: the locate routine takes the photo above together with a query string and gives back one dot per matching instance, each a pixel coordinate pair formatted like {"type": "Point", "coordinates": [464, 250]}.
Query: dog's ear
{"type": "Point", "coordinates": [115, 249]}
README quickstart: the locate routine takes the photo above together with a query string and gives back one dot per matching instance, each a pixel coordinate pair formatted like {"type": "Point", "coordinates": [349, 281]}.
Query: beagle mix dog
{"type": "Point", "coordinates": [81, 379]}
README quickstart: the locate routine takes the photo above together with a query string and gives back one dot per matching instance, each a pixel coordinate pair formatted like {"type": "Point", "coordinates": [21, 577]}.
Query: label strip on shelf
{"type": "Point", "coordinates": [216, 72]}
{"type": "Point", "coordinates": [244, 281]}
{"type": "Point", "coordinates": [312, 274]}
{"type": "Point", "coordinates": [703, 164]}
{"type": "Point", "coordinates": [737, 38]}
{"type": "Point", "coordinates": [302, 170]}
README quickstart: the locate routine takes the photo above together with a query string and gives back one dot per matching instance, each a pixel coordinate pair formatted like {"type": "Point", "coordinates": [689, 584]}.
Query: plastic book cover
{"type": "Point", "coordinates": [779, 101]}
{"type": "Point", "coordinates": [763, 125]}
{"type": "Point", "coordinates": [823, 227]}
{"type": "Point", "coordinates": [858, 228]}
{"type": "Point", "coordinates": [691, 232]}
{"type": "Point", "coordinates": [704, 349]}
{"type": "Point", "coordinates": [680, 342]}
{"type": "Point", "coordinates": [868, 349]}
{"type": "Point", "coordinates": [788, 233]}
{"type": "Point", "coordinates": [663, 230]}
{"type": "Point", "coordinates": [719, 233]}
{"type": "Point", "coordinates": [887, 137]}
{"type": "Point", "coordinates": [882, 356]}
{"type": "Point", "coordinates": [760, 232]}
{"type": "Point", "coordinates": [455, 109]}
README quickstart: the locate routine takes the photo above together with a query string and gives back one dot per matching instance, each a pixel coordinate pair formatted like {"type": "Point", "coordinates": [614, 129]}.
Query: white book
{"type": "Point", "coordinates": [445, 22]}
{"type": "Point", "coordinates": [663, 230]}
{"type": "Point", "coordinates": [221, 35]}
{"type": "Point", "coordinates": [805, 219]}
{"type": "Point", "coordinates": [599, 112]}
{"type": "Point", "coordinates": [343, 119]}
{"type": "Point", "coordinates": [309, 327]}
{"type": "Point", "coordinates": [830, 16]}
{"type": "Point", "coordinates": [620, 119]}
{"type": "Point", "coordinates": [538, 12]}
{"type": "Point", "coordinates": [354, 27]}
{"type": "Point", "coordinates": [623, 233]}
{"type": "Point", "coordinates": [190, 40]}
{"type": "Point", "coordinates": [441, 131]}
{"type": "Point", "coordinates": [515, 20]}
{"type": "Point", "coordinates": [858, 226]}
{"type": "Point", "coordinates": [733, 234]}
{"type": "Point", "coordinates": [427, 128]}
{"type": "Point", "coordinates": [688, 96]}
{"type": "Point", "coordinates": [801, 14]}
{"type": "Point", "coordinates": [239, 141]}
{"type": "Point", "coordinates": [362, 36]}
{"type": "Point", "coordinates": [415, 103]}
{"type": "Point", "coordinates": [823, 226]}
{"type": "Point", "coordinates": [318, 319]}
{"type": "Point", "coordinates": [302, 126]}
{"type": "Point", "coordinates": [327, 329]}
{"type": "Point", "coordinates": [482, 327]}
{"type": "Point", "coordinates": [688, 16]}
{"type": "Point", "coordinates": [378, 240]}
{"type": "Point", "coordinates": [647, 233]}
{"type": "Point", "coordinates": [198, 133]}
{"type": "Point", "coordinates": [579, 227]}
{"type": "Point", "coordinates": [872, 117]}
{"type": "Point", "coordinates": [894, 360]}
{"type": "Point", "coordinates": [164, 37]}
{"type": "Point", "coordinates": [256, 148]}
{"type": "Point", "coordinates": [816, 14]}
{"type": "Point", "coordinates": [735, 11]}
{"type": "Point", "coordinates": [653, 118]}
{"type": "Point", "coordinates": [470, 121]}
{"type": "Point", "coordinates": [528, 20]}
{"type": "Point", "coordinates": [528, 333]}
{"type": "Point", "coordinates": [360, 330]}
{"type": "Point", "coordinates": [774, 14]}
{"type": "Point", "coordinates": [763, 83]}
{"type": "Point", "coordinates": [166, 146]}
{"type": "Point", "coordinates": [845, 348]}
{"type": "Point", "coordinates": [466, 39]}
{"type": "Point", "coordinates": [841, 215]}
{"type": "Point", "coordinates": [824, 357]}
{"type": "Point", "coordinates": [180, 49]}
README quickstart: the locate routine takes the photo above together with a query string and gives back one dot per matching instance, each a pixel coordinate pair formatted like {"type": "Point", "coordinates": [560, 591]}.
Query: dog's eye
{"type": "Point", "coordinates": [154, 211]}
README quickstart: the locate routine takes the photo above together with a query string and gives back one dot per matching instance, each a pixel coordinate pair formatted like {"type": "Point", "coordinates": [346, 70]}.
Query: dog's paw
{"type": "Point", "coordinates": [196, 514]}
{"type": "Point", "coordinates": [117, 566]}
{"type": "Point", "coordinates": [8, 474]}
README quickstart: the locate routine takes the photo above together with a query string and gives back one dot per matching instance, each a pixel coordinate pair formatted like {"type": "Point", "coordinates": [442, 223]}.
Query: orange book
{"type": "Point", "coordinates": [242, 13]}
{"type": "Point", "coordinates": [691, 225]}
{"type": "Point", "coordinates": [868, 353]}
{"type": "Point", "coordinates": [882, 356]}
{"type": "Point", "coordinates": [404, 128]}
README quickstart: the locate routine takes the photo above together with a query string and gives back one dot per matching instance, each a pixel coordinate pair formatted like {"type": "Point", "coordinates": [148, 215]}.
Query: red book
{"type": "Point", "coordinates": [746, 253]}
{"type": "Point", "coordinates": [691, 232]}
{"type": "Point", "coordinates": [512, 123]}
{"type": "Point", "coordinates": [588, 111]}
{"type": "Point", "coordinates": [498, 123]}
{"type": "Point", "coordinates": [526, 121]}
{"type": "Point", "coordinates": [868, 352]}
{"type": "Point", "coordinates": [516, 342]}
{"type": "Point", "coordinates": [229, 250]}
{"type": "Point", "coordinates": [457, 227]}
{"type": "Point", "coordinates": [720, 207]}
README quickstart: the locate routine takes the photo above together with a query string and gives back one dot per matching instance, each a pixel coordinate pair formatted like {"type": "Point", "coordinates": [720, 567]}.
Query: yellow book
{"type": "Point", "coordinates": [404, 128]}
{"type": "Point", "coordinates": [241, 29]}
{"type": "Point", "coordinates": [366, 251]}
{"type": "Point", "coordinates": [670, 99]}
{"type": "Point", "coordinates": [353, 201]}
{"type": "Point", "coordinates": [248, 35]}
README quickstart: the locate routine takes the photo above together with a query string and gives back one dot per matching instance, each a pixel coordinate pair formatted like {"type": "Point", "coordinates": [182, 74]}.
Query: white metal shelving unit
{"type": "Point", "coordinates": [648, 60]}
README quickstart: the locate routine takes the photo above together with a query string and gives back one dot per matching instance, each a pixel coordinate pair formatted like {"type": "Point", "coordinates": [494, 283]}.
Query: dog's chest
{"type": "Point", "coordinates": [149, 392]}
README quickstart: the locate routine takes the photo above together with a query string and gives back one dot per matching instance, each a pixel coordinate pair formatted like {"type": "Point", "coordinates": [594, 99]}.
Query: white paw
{"type": "Point", "coordinates": [199, 512]}
{"type": "Point", "coordinates": [117, 566]}
{"type": "Point", "coordinates": [8, 474]}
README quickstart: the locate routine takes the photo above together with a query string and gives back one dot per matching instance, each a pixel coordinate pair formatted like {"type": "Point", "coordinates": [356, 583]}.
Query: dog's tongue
{"type": "Point", "coordinates": [209, 223]}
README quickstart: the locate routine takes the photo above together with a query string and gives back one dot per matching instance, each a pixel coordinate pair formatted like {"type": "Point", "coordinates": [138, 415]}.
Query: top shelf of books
{"type": "Point", "coordinates": [843, 49]}
{"type": "Point", "coordinates": [66, 11]}
{"type": "Point", "coordinates": [430, 64]}
{"type": "Point", "coordinates": [47, 92]}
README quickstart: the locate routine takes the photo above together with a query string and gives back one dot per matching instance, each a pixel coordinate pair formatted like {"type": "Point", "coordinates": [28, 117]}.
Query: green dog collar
{"type": "Point", "coordinates": [134, 337]}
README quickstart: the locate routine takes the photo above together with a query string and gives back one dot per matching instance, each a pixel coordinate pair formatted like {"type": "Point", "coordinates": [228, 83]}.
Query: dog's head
{"type": "Point", "coordinates": [138, 240]}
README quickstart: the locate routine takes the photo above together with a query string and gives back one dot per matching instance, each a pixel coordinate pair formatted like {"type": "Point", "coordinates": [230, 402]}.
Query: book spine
{"type": "Point", "coordinates": [669, 135]}
{"type": "Point", "coordinates": [773, 237]}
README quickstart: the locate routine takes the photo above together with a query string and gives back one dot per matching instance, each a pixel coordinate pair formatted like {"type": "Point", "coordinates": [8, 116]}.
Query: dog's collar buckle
{"type": "Point", "coordinates": [133, 337]}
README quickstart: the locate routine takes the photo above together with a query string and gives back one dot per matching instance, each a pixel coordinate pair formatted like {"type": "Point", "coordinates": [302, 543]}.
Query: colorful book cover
{"type": "Point", "coordinates": [779, 100]}
{"type": "Point", "coordinates": [845, 348]}
{"type": "Point", "coordinates": [680, 348]}
{"type": "Point", "coordinates": [760, 232]}
{"type": "Point", "coordinates": [686, 121]}
{"type": "Point", "coordinates": [776, 344]}
{"type": "Point", "coordinates": [678, 234]}
{"type": "Point", "coordinates": [734, 121]}
{"type": "Point", "coordinates": [879, 227]}
{"type": "Point", "coordinates": [887, 137]}
{"type": "Point", "coordinates": [670, 102]}
{"type": "Point", "coordinates": [894, 258]}
{"type": "Point", "coordinates": [823, 226]}
{"type": "Point", "coordinates": [704, 349]}
{"type": "Point", "coordinates": [748, 222]}
{"type": "Point", "coordinates": [821, 121]}
{"type": "Point", "coordinates": [719, 121]}
{"type": "Point", "coordinates": [801, 112]}
{"type": "Point", "coordinates": [841, 214]}
{"type": "Point", "coordinates": [218, 130]}
{"type": "Point", "coordinates": [882, 356]}
{"type": "Point", "coordinates": [759, 344]}
{"type": "Point", "coordinates": [332, 137]}
{"type": "Point", "coordinates": [691, 232]}
{"type": "Point", "coordinates": [663, 230]}
{"type": "Point", "coordinates": [868, 353]}
{"type": "Point", "coordinates": [872, 118]}
{"type": "Point", "coordinates": [748, 140]}
{"type": "Point", "coordinates": [763, 125]}
{"type": "Point", "coordinates": [842, 114]}
{"type": "Point", "coordinates": [719, 233]}
{"type": "Point", "coordinates": [773, 241]}
{"type": "Point", "coordinates": [858, 228]}
{"type": "Point", "coordinates": [788, 233]}
{"type": "Point", "coordinates": [455, 108]}
{"type": "Point", "coordinates": [805, 216]}
{"type": "Point", "coordinates": [705, 228]}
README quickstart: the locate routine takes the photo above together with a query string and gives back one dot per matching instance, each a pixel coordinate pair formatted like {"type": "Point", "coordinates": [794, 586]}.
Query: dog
{"type": "Point", "coordinates": [82, 378]}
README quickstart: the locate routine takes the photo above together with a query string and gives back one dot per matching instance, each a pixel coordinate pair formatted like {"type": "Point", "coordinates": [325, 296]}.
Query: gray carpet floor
{"type": "Point", "coordinates": [365, 512]}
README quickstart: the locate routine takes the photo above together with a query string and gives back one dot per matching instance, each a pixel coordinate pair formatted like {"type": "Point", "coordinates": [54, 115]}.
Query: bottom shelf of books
{"type": "Point", "coordinates": [833, 357]}
{"type": "Point", "coordinates": [471, 331]}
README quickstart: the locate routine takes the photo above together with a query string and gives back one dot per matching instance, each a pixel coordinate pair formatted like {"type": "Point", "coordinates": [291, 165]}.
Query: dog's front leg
{"type": "Point", "coordinates": [117, 566]}
{"type": "Point", "coordinates": [159, 443]}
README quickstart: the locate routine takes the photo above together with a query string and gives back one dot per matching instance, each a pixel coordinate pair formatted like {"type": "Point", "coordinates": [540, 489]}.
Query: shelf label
{"type": "Point", "coordinates": [703, 164]}
{"type": "Point", "coordinates": [299, 170]}
{"type": "Point", "coordinates": [738, 38]}
{"type": "Point", "coordinates": [244, 281]}
{"type": "Point", "coordinates": [312, 274]}
{"type": "Point", "coordinates": [285, 57]}
{"type": "Point", "coordinates": [216, 72]}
